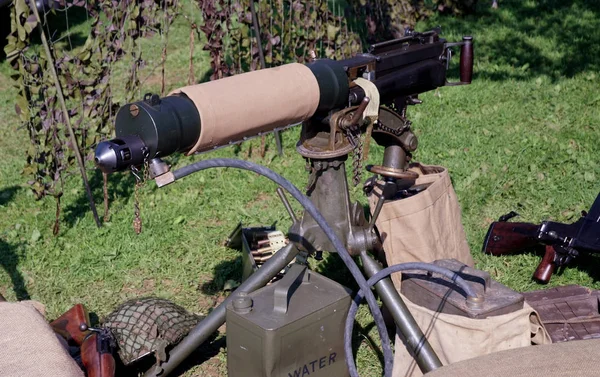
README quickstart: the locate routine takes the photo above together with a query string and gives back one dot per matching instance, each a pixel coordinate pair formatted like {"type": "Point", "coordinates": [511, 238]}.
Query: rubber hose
{"type": "Point", "coordinates": [381, 275]}
{"type": "Point", "coordinates": [337, 244]}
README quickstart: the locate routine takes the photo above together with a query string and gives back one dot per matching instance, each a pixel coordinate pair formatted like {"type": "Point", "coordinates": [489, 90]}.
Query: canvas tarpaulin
{"type": "Point", "coordinates": [29, 347]}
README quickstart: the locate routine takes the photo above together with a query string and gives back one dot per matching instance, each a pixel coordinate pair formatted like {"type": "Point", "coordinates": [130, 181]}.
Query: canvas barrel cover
{"type": "Point", "coordinates": [247, 104]}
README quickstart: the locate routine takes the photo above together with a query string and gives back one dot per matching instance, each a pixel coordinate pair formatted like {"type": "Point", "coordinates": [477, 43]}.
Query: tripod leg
{"type": "Point", "coordinates": [411, 334]}
{"type": "Point", "coordinates": [216, 318]}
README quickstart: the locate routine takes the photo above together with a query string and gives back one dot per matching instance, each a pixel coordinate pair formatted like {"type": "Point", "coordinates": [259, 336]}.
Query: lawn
{"type": "Point", "coordinates": [523, 137]}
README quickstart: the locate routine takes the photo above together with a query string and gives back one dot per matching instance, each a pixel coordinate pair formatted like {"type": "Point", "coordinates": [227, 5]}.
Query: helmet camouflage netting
{"type": "Point", "coordinates": [146, 325]}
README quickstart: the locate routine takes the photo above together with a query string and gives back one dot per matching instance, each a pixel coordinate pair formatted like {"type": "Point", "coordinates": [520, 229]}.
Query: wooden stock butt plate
{"type": "Point", "coordinates": [68, 324]}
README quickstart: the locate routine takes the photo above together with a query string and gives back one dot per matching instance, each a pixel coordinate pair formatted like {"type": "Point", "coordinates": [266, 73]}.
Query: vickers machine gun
{"type": "Point", "coordinates": [336, 102]}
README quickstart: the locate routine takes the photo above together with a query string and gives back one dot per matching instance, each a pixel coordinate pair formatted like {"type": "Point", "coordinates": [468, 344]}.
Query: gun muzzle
{"type": "Point", "coordinates": [117, 154]}
{"type": "Point", "coordinates": [151, 128]}
{"type": "Point", "coordinates": [202, 117]}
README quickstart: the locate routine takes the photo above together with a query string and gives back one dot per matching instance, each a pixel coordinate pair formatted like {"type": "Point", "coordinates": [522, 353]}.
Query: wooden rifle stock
{"type": "Point", "coordinates": [545, 269]}
{"type": "Point", "coordinates": [69, 325]}
{"type": "Point", "coordinates": [97, 357]}
{"type": "Point", "coordinates": [96, 350]}
{"type": "Point", "coordinates": [505, 237]}
{"type": "Point", "coordinates": [563, 242]}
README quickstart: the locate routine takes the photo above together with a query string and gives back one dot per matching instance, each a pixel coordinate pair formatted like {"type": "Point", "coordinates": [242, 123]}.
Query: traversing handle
{"type": "Point", "coordinates": [466, 60]}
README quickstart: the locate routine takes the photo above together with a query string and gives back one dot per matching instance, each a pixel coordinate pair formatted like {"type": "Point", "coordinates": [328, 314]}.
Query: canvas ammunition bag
{"type": "Point", "coordinates": [424, 227]}
{"type": "Point", "coordinates": [455, 338]}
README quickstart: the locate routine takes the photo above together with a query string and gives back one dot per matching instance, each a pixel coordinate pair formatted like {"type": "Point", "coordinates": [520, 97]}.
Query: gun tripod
{"type": "Point", "coordinates": [326, 144]}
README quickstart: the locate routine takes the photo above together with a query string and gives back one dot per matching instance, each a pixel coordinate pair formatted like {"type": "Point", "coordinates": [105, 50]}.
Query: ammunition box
{"type": "Point", "coordinates": [291, 328]}
{"type": "Point", "coordinates": [441, 295]}
{"type": "Point", "coordinates": [569, 313]}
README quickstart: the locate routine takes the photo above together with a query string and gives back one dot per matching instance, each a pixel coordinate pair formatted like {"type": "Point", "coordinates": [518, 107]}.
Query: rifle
{"type": "Point", "coordinates": [96, 345]}
{"type": "Point", "coordinates": [563, 242]}
{"type": "Point", "coordinates": [97, 353]}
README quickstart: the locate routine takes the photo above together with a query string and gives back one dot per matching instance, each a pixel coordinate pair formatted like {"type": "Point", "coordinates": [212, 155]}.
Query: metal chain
{"type": "Point", "coordinates": [105, 194]}
{"type": "Point", "coordinates": [137, 220]}
{"type": "Point", "coordinates": [357, 159]}
{"type": "Point", "coordinates": [353, 136]}
{"type": "Point", "coordinates": [140, 178]}
{"type": "Point", "coordinates": [146, 169]}
{"type": "Point", "coordinates": [312, 177]}
{"type": "Point", "coordinates": [396, 132]}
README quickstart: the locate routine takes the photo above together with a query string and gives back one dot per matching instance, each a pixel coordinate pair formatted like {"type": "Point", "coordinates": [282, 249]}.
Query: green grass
{"type": "Point", "coordinates": [523, 136]}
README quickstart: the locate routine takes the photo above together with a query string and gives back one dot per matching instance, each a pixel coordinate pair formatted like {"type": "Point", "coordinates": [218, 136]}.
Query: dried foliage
{"type": "Point", "coordinates": [85, 79]}
{"type": "Point", "coordinates": [215, 28]}
{"type": "Point", "coordinates": [385, 19]}
{"type": "Point", "coordinates": [291, 29]}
